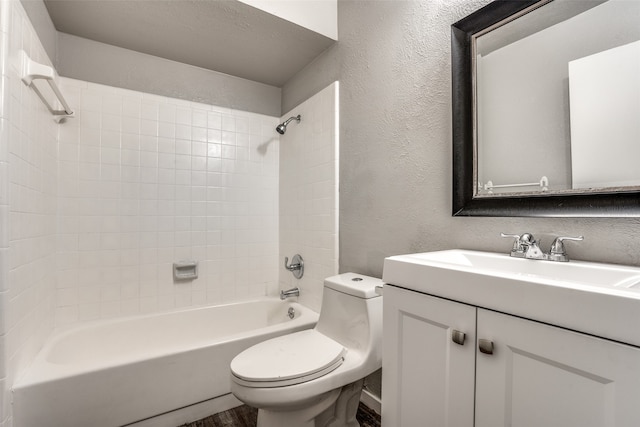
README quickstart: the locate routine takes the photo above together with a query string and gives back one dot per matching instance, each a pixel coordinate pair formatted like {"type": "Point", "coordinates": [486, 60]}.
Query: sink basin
{"type": "Point", "coordinates": [595, 298]}
{"type": "Point", "coordinates": [577, 272]}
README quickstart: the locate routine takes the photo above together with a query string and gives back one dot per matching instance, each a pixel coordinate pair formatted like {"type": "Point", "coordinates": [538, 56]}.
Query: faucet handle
{"type": "Point", "coordinates": [516, 238]}
{"type": "Point", "coordinates": [557, 247]}
{"type": "Point", "coordinates": [517, 250]}
{"type": "Point", "coordinates": [296, 267]}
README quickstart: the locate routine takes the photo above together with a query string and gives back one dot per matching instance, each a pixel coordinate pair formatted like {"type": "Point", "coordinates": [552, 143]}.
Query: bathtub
{"type": "Point", "coordinates": [118, 372]}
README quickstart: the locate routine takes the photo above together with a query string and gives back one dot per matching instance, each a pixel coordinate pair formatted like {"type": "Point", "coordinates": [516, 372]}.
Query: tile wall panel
{"type": "Point", "coordinates": [146, 181]}
{"type": "Point", "coordinates": [309, 194]}
{"type": "Point", "coordinates": [28, 185]}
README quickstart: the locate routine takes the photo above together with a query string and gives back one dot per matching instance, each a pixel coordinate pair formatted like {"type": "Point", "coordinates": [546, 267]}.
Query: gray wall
{"type": "Point", "coordinates": [84, 59]}
{"type": "Point", "coordinates": [393, 64]}
{"type": "Point", "coordinates": [39, 17]}
{"type": "Point", "coordinates": [95, 62]}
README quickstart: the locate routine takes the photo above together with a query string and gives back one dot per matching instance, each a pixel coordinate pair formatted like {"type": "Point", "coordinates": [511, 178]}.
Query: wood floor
{"type": "Point", "coordinates": [246, 416]}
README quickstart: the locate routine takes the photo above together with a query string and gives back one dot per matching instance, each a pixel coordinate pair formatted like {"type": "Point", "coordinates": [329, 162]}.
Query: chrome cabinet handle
{"type": "Point", "coordinates": [458, 337]}
{"type": "Point", "coordinates": [485, 346]}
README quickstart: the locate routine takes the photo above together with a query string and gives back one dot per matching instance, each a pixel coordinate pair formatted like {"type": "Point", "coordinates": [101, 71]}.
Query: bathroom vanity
{"type": "Point", "coordinates": [480, 339]}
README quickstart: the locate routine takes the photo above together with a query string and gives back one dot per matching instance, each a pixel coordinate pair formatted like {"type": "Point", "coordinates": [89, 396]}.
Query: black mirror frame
{"type": "Point", "coordinates": [601, 204]}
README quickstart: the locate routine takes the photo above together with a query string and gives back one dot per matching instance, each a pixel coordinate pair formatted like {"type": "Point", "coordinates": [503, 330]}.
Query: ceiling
{"type": "Point", "coordinates": [220, 35]}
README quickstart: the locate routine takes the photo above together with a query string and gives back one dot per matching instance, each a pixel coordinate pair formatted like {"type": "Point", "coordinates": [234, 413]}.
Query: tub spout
{"type": "Point", "coordinates": [293, 292]}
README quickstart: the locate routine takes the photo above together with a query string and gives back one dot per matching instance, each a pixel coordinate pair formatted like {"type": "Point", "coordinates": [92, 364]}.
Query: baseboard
{"type": "Point", "coordinates": [190, 413]}
{"type": "Point", "coordinates": [372, 401]}
{"type": "Point", "coordinates": [220, 404]}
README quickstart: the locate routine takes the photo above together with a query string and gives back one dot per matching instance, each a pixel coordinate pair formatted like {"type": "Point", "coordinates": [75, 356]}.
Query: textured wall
{"type": "Point", "coordinates": [393, 63]}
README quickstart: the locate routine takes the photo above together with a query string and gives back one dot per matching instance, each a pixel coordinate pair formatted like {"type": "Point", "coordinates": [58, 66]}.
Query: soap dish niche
{"type": "Point", "coordinates": [185, 270]}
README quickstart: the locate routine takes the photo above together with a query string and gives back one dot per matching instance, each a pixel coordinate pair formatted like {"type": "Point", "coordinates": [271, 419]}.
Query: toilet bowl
{"type": "Point", "coordinates": [313, 378]}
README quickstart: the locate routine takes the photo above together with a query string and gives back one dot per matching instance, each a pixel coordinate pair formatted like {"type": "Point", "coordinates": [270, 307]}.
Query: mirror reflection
{"type": "Point", "coordinates": [557, 100]}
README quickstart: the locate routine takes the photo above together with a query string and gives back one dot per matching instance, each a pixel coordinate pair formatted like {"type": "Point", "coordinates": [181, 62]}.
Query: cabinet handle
{"type": "Point", "coordinates": [485, 346]}
{"type": "Point", "coordinates": [458, 337]}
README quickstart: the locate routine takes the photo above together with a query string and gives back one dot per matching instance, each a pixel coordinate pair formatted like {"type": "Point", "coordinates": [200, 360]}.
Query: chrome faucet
{"type": "Point", "coordinates": [526, 246]}
{"type": "Point", "coordinates": [293, 292]}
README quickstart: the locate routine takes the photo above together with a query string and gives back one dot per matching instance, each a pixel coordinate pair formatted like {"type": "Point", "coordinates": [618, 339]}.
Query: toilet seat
{"type": "Point", "coordinates": [287, 360]}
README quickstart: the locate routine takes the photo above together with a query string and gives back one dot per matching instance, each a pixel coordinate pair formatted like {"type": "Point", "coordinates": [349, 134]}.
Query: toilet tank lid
{"type": "Point", "coordinates": [354, 284]}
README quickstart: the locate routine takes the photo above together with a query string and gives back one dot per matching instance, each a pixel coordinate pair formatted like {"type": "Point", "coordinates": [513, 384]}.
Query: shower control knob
{"type": "Point", "coordinates": [296, 267]}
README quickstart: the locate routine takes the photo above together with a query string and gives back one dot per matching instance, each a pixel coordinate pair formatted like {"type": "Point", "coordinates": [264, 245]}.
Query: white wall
{"type": "Point", "coordinates": [146, 181]}
{"type": "Point", "coordinates": [28, 185]}
{"type": "Point", "coordinates": [320, 16]}
{"type": "Point", "coordinates": [605, 106]}
{"type": "Point", "coordinates": [309, 194]}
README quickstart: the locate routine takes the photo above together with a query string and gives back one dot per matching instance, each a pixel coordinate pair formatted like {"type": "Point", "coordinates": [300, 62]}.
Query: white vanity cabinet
{"type": "Point", "coordinates": [537, 375]}
{"type": "Point", "coordinates": [428, 380]}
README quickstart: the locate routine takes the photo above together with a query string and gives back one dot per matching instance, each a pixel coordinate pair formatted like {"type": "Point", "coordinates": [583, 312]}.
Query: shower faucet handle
{"type": "Point", "coordinates": [296, 267]}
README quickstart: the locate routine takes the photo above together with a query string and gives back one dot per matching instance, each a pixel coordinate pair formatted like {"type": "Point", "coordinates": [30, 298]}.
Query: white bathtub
{"type": "Point", "coordinates": [113, 373]}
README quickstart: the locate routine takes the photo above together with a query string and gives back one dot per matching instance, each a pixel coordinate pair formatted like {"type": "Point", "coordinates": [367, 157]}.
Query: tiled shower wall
{"type": "Point", "coordinates": [146, 181]}
{"type": "Point", "coordinates": [94, 211]}
{"type": "Point", "coordinates": [28, 185]}
{"type": "Point", "coordinates": [309, 194]}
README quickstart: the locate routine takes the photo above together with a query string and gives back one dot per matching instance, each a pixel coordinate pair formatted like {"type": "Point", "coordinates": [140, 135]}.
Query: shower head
{"type": "Point", "coordinates": [282, 127]}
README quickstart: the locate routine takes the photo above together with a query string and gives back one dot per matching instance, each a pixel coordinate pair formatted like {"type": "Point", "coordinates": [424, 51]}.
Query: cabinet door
{"type": "Point", "coordinates": [428, 380]}
{"type": "Point", "coordinates": [540, 375]}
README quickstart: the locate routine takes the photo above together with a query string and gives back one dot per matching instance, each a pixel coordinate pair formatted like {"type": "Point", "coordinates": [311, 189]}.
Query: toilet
{"type": "Point", "coordinates": [313, 378]}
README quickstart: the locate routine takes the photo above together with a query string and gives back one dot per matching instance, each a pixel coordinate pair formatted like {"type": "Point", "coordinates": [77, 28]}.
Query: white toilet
{"type": "Point", "coordinates": [313, 378]}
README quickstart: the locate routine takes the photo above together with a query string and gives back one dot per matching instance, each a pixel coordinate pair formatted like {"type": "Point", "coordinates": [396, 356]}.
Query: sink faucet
{"type": "Point", "coordinates": [526, 246]}
{"type": "Point", "coordinates": [531, 247]}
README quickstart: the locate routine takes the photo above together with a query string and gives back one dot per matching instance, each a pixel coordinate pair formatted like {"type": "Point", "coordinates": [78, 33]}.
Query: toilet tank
{"type": "Point", "coordinates": [357, 285]}
{"type": "Point", "coordinates": [351, 311]}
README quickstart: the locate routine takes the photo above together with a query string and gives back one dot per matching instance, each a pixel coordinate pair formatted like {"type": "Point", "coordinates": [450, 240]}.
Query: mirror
{"type": "Point", "coordinates": [546, 108]}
